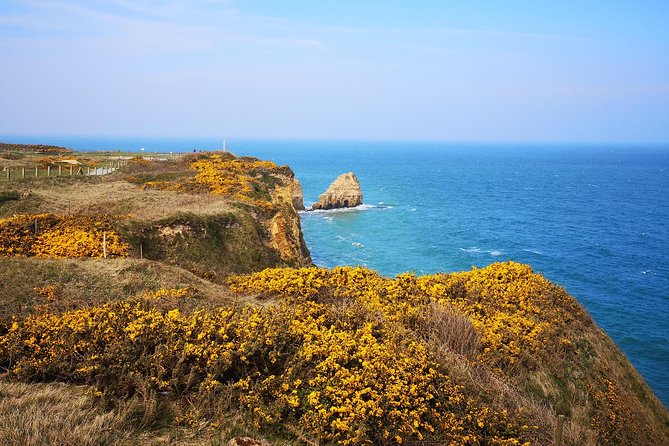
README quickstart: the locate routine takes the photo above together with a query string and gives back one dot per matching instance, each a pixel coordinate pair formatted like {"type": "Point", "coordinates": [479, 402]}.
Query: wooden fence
{"type": "Point", "coordinates": [36, 171]}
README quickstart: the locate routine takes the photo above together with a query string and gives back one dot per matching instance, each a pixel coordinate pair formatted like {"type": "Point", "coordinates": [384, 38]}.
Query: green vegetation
{"type": "Point", "coordinates": [7, 148]}
{"type": "Point", "coordinates": [9, 195]}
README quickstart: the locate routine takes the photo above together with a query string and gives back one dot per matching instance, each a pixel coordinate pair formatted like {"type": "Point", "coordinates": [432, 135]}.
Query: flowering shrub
{"type": "Point", "coordinates": [508, 305]}
{"type": "Point", "coordinates": [518, 313]}
{"type": "Point", "coordinates": [163, 185]}
{"type": "Point", "coordinates": [48, 235]}
{"type": "Point", "coordinates": [232, 177]}
{"type": "Point", "coordinates": [337, 355]}
{"type": "Point", "coordinates": [245, 179]}
{"type": "Point", "coordinates": [139, 161]}
{"type": "Point", "coordinates": [346, 356]}
{"type": "Point", "coordinates": [50, 160]}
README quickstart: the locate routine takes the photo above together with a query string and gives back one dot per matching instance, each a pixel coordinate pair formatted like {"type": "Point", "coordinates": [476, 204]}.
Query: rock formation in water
{"type": "Point", "coordinates": [344, 192]}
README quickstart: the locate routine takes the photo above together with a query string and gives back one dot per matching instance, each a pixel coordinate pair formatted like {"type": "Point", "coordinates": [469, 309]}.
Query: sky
{"type": "Point", "coordinates": [577, 71]}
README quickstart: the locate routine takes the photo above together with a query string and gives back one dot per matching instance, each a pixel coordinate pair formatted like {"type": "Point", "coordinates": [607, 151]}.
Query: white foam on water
{"type": "Point", "coordinates": [477, 250]}
{"type": "Point", "coordinates": [534, 251]}
{"type": "Point", "coordinates": [362, 207]}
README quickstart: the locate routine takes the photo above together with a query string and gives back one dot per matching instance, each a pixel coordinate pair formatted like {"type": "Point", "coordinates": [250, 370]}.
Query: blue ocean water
{"type": "Point", "coordinates": [592, 218]}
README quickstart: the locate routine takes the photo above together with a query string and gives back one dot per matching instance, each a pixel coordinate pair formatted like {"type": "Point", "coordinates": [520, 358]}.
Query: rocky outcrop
{"type": "Point", "coordinates": [283, 226]}
{"type": "Point", "coordinates": [286, 238]}
{"type": "Point", "coordinates": [344, 192]}
{"type": "Point", "coordinates": [297, 195]}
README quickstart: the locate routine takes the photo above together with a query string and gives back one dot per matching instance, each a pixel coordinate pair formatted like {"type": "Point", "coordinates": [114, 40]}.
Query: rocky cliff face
{"type": "Point", "coordinates": [344, 192]}
{"type": "Point", "coordinates": [243, 238]}
{"type": "Point", "coordinates": [298, 195]}
{"type": "Point", "coordinates": [285, 232]}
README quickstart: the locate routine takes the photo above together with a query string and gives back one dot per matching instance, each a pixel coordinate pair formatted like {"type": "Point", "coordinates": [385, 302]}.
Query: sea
{"type": "Point", "coordinates": [593, 218]}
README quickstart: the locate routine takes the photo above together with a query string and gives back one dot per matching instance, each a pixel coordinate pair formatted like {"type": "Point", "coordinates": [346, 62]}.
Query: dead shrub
{"type": "Point", "coordinates": [447, 328]}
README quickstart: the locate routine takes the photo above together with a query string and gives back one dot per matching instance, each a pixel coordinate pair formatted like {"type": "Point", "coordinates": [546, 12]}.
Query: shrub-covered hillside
{"type": "Point", "coordinates": [213, 214]}
{"type": "Point", "coordinates": [345, 356]}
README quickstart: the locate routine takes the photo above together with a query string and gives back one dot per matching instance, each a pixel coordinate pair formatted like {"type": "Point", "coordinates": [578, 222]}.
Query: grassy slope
{"type": "Point", "coordinates": [88, 282]}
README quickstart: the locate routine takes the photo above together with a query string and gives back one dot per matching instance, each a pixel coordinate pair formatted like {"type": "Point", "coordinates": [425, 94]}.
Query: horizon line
{"type": "Point", "coordinates": [233, 138]}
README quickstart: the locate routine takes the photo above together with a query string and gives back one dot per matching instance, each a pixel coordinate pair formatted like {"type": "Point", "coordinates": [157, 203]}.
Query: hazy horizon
{"type": "Point", "coordinates": [343, 71]}
{"type": "Point", "coordinates": [157, 143]}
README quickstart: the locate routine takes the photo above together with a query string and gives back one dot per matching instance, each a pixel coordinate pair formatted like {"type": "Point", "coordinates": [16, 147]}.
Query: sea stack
{"type": "Point", "coordinates": [344, 192]}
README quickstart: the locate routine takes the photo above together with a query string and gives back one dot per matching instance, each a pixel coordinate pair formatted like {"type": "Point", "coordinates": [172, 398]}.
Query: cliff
{"type": "Point", "coordinates": [344, 192]}
{"type": "Point", "coordinates": [212, 214]}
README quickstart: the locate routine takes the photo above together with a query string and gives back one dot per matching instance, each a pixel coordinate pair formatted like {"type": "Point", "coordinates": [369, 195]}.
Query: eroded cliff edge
{"type": "Point", "coordinates": [213, 214]}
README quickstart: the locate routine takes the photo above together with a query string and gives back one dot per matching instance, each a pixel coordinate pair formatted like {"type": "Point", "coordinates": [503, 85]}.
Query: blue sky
{"type": "Point", "coordinates": [424, 70]}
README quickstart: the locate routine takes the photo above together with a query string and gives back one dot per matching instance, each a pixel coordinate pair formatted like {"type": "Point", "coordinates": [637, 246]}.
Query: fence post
{"type": "Point", "coordinates": [104, 244]}
{"type": "Point", "coordinates": [89, 170]}
{"type": "Point", "coordinates": [36, 170]}
{"type": "Point", "coordinates": [60, 170]}
{"type": "Point", "coordinates": [558, 432]}
{"type": "Point", "coordinates": [23, 172]}
{"type": "Point", "coordinates": [141, 250]}
{"type": "Point", "coordinates": [48, 170]}
{"type": "Point", "coordinates": [70, 169]}
{"type": "Point", "coordinates": [9, 174]}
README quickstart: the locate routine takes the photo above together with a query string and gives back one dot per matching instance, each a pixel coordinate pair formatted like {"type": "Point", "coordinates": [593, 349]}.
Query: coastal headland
{"type": "Point", "coordinates": [173, 301]}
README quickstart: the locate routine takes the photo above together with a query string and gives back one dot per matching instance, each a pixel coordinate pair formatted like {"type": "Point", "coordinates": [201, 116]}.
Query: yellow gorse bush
{"type": "Point", "coordinates": [232, 177]}
{"type": "Point", "coordinates": [60, 236]}
{"type": "Point", "coordinates": [340, 353]}
{"type": "Point", "coordinates": [244, 179]}
{"type": "Point", "coordinates": [517, 312]}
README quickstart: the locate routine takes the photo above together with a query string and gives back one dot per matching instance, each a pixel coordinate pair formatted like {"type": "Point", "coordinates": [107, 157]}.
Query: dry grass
{"type": "Point", "coordinates": [637, 401]}
{"type": "Point", "coordinates": [56, 414]}
{"type": "Point", "coordinates": [67, 415]}
{"type": "Point", "coordinates": [451, 330]}
{"type": "Point", "coordinates": [109, 196]}
{"type": "Point", "coordinates": [86, 282]}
